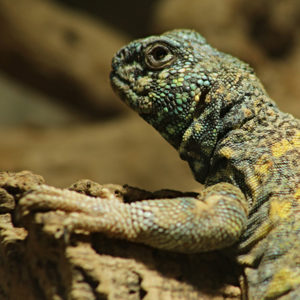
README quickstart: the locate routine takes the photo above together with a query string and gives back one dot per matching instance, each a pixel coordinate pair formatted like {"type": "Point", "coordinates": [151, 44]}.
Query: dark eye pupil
{"type": "Point", "coordinates": [158, 56]}
{"type": "Point", "coordinates": [159, 53]}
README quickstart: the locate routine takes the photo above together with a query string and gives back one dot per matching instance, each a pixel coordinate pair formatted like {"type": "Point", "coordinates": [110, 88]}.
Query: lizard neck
{"type": "Point", "coordinates": [253, 155]}
{"type": "Point", "coordinates": [224, 111]}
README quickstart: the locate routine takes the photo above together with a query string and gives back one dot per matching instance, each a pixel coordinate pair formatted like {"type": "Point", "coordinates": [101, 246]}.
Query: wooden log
{"type": "Point", "coordinates": [36, 264]}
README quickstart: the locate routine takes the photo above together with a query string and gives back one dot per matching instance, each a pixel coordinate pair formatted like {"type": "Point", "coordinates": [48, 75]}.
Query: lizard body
{"type": "Point", "coordinates": [212, 108]}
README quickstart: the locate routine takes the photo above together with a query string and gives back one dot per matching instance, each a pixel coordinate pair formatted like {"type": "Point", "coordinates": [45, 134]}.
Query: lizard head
{"type": "Point", "coordinates": [160, 77]}
{"type": "Point", "coordinates": [172, 81]}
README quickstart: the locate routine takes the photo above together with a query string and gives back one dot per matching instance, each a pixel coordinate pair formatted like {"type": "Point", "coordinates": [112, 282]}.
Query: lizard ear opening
{"type": "Point", "coordinates": [158, 55]}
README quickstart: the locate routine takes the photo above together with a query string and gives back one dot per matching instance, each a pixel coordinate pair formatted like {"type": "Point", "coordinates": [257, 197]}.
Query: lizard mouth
{"type": "Point", "coordinates": [137, 101]}
{"type": "Point", "coordinates": [118, 82]}
{"type": "Point", "coordinates": [120, 85]}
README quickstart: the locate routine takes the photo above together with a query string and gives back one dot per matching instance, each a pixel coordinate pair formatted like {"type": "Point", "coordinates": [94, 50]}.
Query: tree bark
{"type": "Point", "coordinates": [35, 264]}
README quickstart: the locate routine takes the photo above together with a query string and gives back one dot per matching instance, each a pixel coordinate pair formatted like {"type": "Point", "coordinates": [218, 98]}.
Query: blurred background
{"type": "Point", "coordinates": [58, 115]}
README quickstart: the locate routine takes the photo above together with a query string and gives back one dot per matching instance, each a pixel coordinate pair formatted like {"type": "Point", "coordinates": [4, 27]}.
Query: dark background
{"type": "Point", "coordinates": [58, 115]}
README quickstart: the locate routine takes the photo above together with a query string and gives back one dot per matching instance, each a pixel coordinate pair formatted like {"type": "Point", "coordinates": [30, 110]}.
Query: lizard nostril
{"type": "Point", "coordinates": [123, 54]}
{"type": "Point", "coordinates": [121, 57]}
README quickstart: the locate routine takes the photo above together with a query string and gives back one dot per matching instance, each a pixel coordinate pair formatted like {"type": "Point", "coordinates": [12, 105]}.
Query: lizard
{"type": "Point", "coordinates": [215, 112]}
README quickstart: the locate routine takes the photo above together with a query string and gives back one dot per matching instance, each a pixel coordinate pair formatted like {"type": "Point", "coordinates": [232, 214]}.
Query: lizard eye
{"type": "Point", "coordinates": [158, 56]}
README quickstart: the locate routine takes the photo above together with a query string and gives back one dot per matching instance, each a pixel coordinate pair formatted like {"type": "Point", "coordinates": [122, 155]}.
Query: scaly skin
{"type": "Point", "coordinates": [212, 108]}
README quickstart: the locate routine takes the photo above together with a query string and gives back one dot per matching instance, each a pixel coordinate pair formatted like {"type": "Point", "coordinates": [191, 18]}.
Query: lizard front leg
{"type": "Point", "coordinates": [213, 220]}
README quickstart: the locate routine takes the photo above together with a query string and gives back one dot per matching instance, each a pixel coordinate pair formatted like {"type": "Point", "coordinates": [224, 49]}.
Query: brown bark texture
{"type": "Point", "coordinates": [36, 264]}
